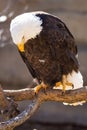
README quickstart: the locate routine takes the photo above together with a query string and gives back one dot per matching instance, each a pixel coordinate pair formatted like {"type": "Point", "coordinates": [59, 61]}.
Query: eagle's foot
{"type": "Point", "coordinates": [64, 86]}
{"type": "Point", "coordinates": [70, 84]}
{"type": "Point", "coordinates": [38, 87]}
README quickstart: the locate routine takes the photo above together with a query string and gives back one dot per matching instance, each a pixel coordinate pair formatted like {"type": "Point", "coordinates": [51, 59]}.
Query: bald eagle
{"type": "Point", "coordinates": [48, 49]}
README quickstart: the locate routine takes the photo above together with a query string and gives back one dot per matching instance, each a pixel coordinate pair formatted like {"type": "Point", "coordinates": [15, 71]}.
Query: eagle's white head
{"type": "Point", "coordinates": [25, 27]}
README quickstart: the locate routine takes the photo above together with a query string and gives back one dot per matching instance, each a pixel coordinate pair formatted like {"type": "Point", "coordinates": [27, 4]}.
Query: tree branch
{"type": "Point", "coordinates": [70, 96]}
{"type": "Point", "coordinates": [21, 118]}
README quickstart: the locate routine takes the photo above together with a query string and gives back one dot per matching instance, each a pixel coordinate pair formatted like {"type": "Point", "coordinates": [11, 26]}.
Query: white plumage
{"type": "Point", "coordinates": [75, 78]}
{"type": "Point", "coordinates": [26, 25]}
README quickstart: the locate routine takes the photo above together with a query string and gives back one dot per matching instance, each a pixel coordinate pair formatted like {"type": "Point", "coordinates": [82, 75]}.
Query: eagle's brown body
{"type": "Point", "coordinates": [52, 53]}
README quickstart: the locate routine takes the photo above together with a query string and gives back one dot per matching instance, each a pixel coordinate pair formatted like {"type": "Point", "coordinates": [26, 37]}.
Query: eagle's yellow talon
{"type": "Point", "coordinates": [64, 85]}
{"type": "Point", "coordinates": [63, 88]}
{"type": "Point", "coordinates": [69, 84]}
{"type": "Point", "coordinates": [38, 87]}
{"type": "Point", "coordinates": [58, 84]}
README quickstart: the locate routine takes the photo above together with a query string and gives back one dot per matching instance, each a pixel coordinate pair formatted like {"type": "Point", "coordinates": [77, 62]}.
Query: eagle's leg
{"type": "Point", "coordinates": [38, 87]}
{"type": "Point", "coordinates": [64, 84]}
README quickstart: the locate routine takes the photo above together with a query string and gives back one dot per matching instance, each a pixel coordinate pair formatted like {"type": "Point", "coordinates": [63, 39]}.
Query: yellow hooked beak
{"type": "Point", "coordinates": [21, 45]}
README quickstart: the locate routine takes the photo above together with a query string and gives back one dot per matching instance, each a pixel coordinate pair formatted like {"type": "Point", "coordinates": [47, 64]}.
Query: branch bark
{"type": "Point", "coordinates": [21, 118]}
{"type": "Point", "coordinates": [70, 96]}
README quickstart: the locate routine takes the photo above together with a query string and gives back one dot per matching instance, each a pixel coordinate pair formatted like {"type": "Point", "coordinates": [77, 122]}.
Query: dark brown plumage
{"type": "Point", "coordinates": [52, 53]}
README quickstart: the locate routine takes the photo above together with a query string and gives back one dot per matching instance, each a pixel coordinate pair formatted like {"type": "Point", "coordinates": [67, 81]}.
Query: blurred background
{"type": "Point", "coordinates": [14, 74]}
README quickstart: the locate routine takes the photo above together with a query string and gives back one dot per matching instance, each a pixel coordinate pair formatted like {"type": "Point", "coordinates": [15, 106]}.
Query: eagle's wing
{"type": "Point", "coordinates": [72, 47]}
{"type": "Point", "coordinates": [61, 41]}
{"type": "Point", "coordinates": [32, 71]}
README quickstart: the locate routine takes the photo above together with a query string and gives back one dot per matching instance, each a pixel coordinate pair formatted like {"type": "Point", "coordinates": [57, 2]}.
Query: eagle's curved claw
{"type": "Point", "coordinates": [38, 87]}
{"type": "Point", "coordinates": [64, 86]}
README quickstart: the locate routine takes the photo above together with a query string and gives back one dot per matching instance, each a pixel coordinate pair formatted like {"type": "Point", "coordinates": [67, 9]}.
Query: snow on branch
{"type": "Point", "coordinates": [70, 96]}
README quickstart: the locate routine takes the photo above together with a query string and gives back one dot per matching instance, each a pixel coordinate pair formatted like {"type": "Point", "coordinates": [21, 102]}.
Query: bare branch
{"type": "Point", "coordinates": [27, 93]}
{"type": "Point", "coordinates": [21, 118]}
{"type": "Point", "coordinates": [50, 95]}
{"type": "Point", "coordinates": [3, 101]}
{"type": "Point", "coordinates": [8, 108]}
{"type": "Point", "coordinates": [70, 96]}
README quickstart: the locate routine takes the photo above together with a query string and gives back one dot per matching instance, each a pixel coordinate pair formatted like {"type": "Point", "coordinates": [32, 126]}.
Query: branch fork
{"type": "Point", "coordinates": [13, 118]}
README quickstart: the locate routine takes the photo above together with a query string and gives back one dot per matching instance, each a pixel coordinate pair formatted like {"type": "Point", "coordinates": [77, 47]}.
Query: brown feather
{"type": "Point", "coordinates": [55, 45]}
